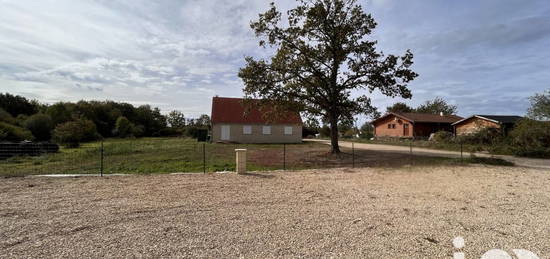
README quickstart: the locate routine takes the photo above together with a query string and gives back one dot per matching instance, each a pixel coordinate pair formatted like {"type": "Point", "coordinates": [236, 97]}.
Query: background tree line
{"type": "Point", "coordinates": [71, 123]}
{"type": "Point", "coordinates": [436, 106]}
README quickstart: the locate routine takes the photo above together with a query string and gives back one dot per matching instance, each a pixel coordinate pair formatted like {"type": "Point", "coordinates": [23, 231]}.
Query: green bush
{"type": "Point", "coordinates": [443, 136]}
{"type": "Point", "coordinates": [72, 133]}
{"type": "Point", "coordinates": [6, 117]}
{"type": "Point", "coordinates": [123, 127]}
{"type": "Point", "coordinates": [172, 132]}
{"type": "Point", "coordinates": [324, 132]}
{"type": "Point", "coordinates": [531, 138]}
{"type": "Point", "coordinates": [40, 126]}
{"type": "Point", "coordinates": [485, 136]}
{"type": "Point", "coordinates": [138, 131]}
{"type": "Point", "coordinates": [533, 152]}
{"type": "Point", "coordinates": [192, 131]}
{"type": "Point", "coordinates": [20, 120]}
{"type": "Point", "coordinates": [14, 133]}
{"type": "Point", "coordinates": [350, 133]}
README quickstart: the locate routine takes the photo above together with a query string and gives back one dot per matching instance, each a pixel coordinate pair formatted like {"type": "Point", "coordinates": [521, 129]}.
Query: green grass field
{"type": "Point", "coordinates": [142, 156]}
{"type": "Point", "coordinates": [173, 155]}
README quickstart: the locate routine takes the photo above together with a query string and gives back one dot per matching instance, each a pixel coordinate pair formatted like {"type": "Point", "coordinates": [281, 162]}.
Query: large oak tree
{"type": "Point", "coordinates": [323, 54]}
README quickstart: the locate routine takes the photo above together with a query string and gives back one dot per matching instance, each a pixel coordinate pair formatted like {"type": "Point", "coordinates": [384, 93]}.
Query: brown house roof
{"type": "Point", "coordinates": [231, 110]}
{"type": "Point", "coordinates": [423, 117]}
{"type": "Point", "coordinates": [502, 119]}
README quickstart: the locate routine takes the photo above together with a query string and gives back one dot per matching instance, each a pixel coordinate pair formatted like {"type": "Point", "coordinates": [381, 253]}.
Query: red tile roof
{"type": "Point", "coordinates": [231, 110]}
{"type": "Point", "coordinates": [424, 117]}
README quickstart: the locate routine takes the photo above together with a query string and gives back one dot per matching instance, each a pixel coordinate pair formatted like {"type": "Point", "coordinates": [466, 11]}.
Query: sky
{"type": "Point", "coordinates": [486, 57]}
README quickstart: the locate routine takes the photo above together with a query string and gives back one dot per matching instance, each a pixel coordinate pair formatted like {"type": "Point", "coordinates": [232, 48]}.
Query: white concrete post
{"type": "Point", "coordinates": [241, 161]}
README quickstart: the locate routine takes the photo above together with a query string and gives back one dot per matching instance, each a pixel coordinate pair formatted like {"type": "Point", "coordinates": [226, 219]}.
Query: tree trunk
{"type": "Point", "coordinates": [335, 149]}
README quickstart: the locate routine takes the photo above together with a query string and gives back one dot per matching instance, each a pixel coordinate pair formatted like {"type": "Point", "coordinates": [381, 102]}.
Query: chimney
{"type": "Point", "coordinates": [441, 114]}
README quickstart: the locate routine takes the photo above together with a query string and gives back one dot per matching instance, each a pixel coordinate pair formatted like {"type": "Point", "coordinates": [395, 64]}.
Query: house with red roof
{"type": "Point", "coordinates": [233, 122]}
{"type": "Point", "coordinates": [412, 125]}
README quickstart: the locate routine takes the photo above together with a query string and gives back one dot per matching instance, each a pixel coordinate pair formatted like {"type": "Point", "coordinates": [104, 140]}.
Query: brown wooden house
{"type": "Point", "coordinates": [475, 123]}
{"type": "Point", "coordinates": [412, 125]}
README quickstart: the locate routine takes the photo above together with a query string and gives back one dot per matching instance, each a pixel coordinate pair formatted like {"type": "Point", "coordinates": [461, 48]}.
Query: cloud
{"type": "Point", "coordinates": [178, 54]}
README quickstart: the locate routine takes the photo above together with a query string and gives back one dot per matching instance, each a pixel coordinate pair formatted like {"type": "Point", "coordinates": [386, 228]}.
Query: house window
{"type": "Point", "coordinates": [266, 130]}
{"type": "Point", "coordinates": [288, 130]}
{"type": "Point", "coordinates": [389, 126]}
{"type": "Point", "coordinates": [247, 130]}
{"type": "Point", "coordinates": [393, 126]}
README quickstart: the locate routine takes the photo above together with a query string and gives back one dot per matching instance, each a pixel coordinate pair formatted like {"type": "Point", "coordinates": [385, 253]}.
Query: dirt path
{"type": "Point", "coordinates": [519, 161]}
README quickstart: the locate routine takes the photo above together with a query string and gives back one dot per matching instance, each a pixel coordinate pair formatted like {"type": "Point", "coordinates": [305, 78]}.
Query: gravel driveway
{"type": "Point", "coordinates": [408, 212]}
{"type": "Point", "coordinates": [519, 161]}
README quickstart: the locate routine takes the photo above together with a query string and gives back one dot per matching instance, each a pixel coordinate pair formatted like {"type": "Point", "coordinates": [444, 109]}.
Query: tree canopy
{"type": "Point", "coordinates": [176, 119]}
{"type": "Point", "coordinates": [322, 57]}
{"type": "Point", "coordinates": [540, 106]}
{"type": "Point", "coordinates": [436, 106]}
{"type": "Point", "coordinates": [399, 107]}
{"type": "Point", "coordinates": [15, 105]}
{"type": "Point", "coordinates": [30, 120]}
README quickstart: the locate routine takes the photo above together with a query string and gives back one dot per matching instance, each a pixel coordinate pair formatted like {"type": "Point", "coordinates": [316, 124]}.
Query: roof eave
{"type": "Point", "coordinates": [477, 116]}
{"type": "Point", "coordinates": [394, 114]}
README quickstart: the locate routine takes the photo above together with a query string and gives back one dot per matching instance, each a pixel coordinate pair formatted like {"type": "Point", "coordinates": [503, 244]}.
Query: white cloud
{"type": "Point", "coordinates": [178, 54]}
{"type": "Point", "coordinates": [175, 54]}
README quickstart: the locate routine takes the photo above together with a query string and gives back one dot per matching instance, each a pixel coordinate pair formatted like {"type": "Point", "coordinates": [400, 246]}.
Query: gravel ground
{"type": "Point", "coordinates": [412, 212]}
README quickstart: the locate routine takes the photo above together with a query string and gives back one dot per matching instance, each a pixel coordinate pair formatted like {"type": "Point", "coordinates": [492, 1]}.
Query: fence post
{"type": "Point", "coordinates": [461, 150]}
{"type": "Point", "coordinates": [240, 161]}
{"type": "Point", "coordinates": [101, 163]}
{"type": "Point", "coordinates": [411, 146]}
{"type": "Point", "coordinates": [284, 156]}
{"type": "Point", "coordinates": [352, 155]}
{"type": "Point", "coordinates": [204, 158]}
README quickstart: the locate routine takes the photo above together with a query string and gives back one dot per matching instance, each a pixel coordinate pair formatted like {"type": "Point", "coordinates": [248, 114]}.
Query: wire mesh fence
{"type": "Point", "coordinates": [179, 155]}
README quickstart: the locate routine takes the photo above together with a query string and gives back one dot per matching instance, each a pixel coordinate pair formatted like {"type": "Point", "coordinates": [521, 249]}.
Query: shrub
{"type": "Point", "coordinates": [324, 131]}
{"type": "Point", "coordinates": [192, 132]}
{"type": "Point", "coordinates": [124, 128]}
{"type": "Point", "coordinates": [170, 132]}
{"type": "Point", "coordinates": [443, 136]}
{"type": "Point", "coordinates": [14, 133]}
{"type": "Point", "coordinates": [20, 120]}
{"type": "Point", "coordinates": [533, 152]}
{"type": "Point", "coordinates": [40, 126]}
{"type": "Point", "coordinates": [350, 133]}
{"type": "Point", "coordinates": [366, 131]}
{"type": "Point", "coordinates": [309, 132]}
{"type": "Point", "coordinates": [6, 117]}
{"type": "Point", "coordinates": [72, 133]}
{"type": "Point", "coordinates": [138, 131]}
{"type": "Point", "coordinates": [485, 136]}
{"type": "Point", "coordinates": [531, 138]}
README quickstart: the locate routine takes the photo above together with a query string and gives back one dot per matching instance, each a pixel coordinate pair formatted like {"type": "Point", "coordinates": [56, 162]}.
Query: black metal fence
{"type": "Point", "coordinates": [176, 155]}
{"type": "Point", "coordinates": [8, 150]}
